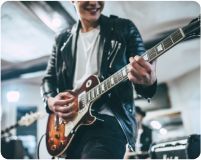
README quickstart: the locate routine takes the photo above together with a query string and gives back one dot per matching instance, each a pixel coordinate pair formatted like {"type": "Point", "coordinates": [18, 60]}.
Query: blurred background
{"type": "Point", "coordinates": [28, 29]}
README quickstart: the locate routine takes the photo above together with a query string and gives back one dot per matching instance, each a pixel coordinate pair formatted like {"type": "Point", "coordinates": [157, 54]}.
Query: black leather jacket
{"type": "Point", "coordinates": [120, 39]}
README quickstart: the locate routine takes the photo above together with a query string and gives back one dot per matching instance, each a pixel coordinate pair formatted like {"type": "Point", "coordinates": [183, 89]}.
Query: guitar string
{"type": "Point", "coordinates": [177, 35]}
{"type": "Point", "coordinates": [119, 77]}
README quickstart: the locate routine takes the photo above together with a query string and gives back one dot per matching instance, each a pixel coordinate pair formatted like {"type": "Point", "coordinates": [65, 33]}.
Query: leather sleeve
{"type": "Point", "coordinates": [134, 41]}
{"type": "Point", "coordinates": [49, 87]}
{"type": "Point", "coordinates": [136, 47]}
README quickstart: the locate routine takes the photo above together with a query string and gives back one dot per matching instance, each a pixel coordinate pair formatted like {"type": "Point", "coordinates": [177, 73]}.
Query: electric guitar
{"type": "Point", "coordinates": [25, 120]}
{"type": "Point", "coordinates": [60, 133]}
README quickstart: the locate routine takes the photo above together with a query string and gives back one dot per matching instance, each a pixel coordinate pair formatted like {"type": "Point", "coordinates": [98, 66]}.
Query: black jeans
{"type": "Point", "coordinates": [101, 140]}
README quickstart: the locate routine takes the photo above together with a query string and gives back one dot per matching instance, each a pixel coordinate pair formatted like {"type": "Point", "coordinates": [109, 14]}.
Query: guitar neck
{"type": "Point", "coordinates": [164, 45]}
{"type": "Point", "coordinates": [121, 75]}
{"type": "Point", "coordinates": [9, 128]}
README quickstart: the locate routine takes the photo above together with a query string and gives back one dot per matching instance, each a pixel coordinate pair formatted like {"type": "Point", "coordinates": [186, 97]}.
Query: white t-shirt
{"type": "Point", "coordinates": [86, 62]}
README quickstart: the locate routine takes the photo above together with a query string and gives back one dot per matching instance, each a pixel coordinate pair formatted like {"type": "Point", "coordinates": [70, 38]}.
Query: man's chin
{"type": "Point", "coordinates": [93, 18]}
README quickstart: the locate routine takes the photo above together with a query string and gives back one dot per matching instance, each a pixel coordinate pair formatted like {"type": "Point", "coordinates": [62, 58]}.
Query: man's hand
{"type": "Point", "coordinates": [141, 71]}
{"type": "Point", "coordinates": [64, 105]}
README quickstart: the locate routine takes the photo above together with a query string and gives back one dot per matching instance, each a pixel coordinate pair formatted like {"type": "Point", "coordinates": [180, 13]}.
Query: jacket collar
{"type": "Point", "coordinates": [70, 46]}
{"type": "Point", "coordinates": [104, 46]}
{"type": "Point", "coordinates": [103, 21]}
{"type": "Point", "coordinates": [104, 26]}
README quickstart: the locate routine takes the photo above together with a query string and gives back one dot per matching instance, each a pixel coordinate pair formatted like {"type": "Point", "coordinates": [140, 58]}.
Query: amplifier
{"type": "Point", "coordinates": [12, 149]}
{"type": "Point", "coordinates": [180, 148]}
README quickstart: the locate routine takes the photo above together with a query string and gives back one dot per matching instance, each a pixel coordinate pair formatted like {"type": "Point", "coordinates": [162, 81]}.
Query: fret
{"type": "Point", "coordinates": [115, 78]}
{"type": "Point", "coordinates": [152, 53]}
{"type": "Point", "coordinates": [105, 85]}
{"type": "Point", "coordinates": [119, 76]}
{"type": "Point", "coordinates": [177, 36]}
{"type": "Point", "coordinates": [167, 42]}
{"type": "Point", "coordinates": [112, 80]}
{"type": "Point", "coordinates": [97, 91]}
{"type": "Point", "coordinates": [83, 99]}
{"type": "Point", "coordinates": [124, 72]}
{"type": "Point", "coordinates": [108, 83]}
{"type": "Point", "coordinates": [94, 91]}
{"type": "Point", "coordinates": [88, 97]}
{"type": "Point", "coordinates": [99, 87]}
{"type": "Point", "coordinates": [92, 94]}
{"type": "Point", "coordinates": [102, 87]}
{"type": "Point", "coordinates": [126, 68]}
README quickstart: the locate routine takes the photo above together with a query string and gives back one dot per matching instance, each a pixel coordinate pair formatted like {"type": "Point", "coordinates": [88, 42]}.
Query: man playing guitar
{"type": "Point", "coordinates": [98, 45]}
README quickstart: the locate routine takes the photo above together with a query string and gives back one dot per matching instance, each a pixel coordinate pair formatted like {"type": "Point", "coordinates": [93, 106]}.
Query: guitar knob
{"type": "Point", "coordinates": [61, 143]}
{"type": "Point", "coordinates": [51, 141]}
{"type": "Point", "coordinates": [63, 122]}
{"type": "Point", "coordinates": [57, 136]}
{"type": "Point", "coordinates": [53, 147]}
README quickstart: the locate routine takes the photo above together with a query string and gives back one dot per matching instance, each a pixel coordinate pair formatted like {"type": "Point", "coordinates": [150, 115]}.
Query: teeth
{"type": "Point", "coordinates": [92, 9]}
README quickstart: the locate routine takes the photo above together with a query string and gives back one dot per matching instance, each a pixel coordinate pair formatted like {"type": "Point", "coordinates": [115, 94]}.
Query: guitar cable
{"type": "Point", "coordinates": [39, 145]}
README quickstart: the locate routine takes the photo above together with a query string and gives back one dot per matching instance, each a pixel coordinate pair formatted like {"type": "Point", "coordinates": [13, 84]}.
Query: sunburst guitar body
{"type": "Point", "coordinates": [59, 132]}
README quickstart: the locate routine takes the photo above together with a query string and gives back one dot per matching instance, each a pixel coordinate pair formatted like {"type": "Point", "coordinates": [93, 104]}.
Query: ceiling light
{"type": "Point", "coordinates": [56, 21]}
{"type": "Point", "coordinates": [163, 131]}
{"type": "Point", "coordinates": [155, 124]}
{"type": "Point", "coordinates": [13, 96]}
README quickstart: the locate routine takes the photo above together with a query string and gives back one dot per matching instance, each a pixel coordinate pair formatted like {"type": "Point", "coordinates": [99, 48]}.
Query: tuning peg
{"type": "Point", "coordinates": [53, 147]}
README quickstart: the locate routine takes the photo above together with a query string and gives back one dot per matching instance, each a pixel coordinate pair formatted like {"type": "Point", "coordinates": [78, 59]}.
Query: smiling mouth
{"type": "Point", "coordinates": [92, 9]}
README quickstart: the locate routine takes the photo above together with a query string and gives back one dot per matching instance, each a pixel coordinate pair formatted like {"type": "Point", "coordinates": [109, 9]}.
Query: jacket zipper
{"type": "Point", "coordinates": [114, 45]}
{"type": "Point", "coordinates": [115, 54]}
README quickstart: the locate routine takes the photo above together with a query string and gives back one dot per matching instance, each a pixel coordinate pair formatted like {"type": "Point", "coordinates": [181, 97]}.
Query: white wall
{"type": "Point", "coordinates": [184, 95]}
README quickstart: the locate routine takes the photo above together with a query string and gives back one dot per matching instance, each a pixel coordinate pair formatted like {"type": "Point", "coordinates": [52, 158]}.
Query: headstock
{"type": "Point", "coordinates": [193, 28]}
{"type": "Point", "coordinates": [30, 118]}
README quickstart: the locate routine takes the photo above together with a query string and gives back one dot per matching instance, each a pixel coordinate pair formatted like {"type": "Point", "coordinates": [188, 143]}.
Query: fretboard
{"type": "Point", "coordinates": [107, 84]}
{"type": "Point", "coordinates": [164, 45]}
{"type": "Point", "coordinates": [121, 75]}
{"type": "Point", "coordinates": [9, 128]}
